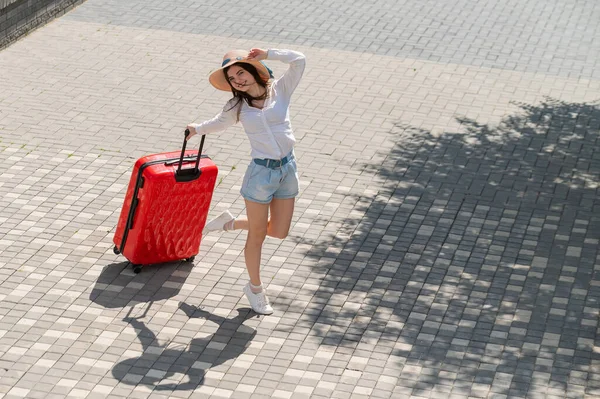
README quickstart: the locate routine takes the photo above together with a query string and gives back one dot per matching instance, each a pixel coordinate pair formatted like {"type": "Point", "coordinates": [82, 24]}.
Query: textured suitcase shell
{"type": "Point", "coordinates": [169, 216]}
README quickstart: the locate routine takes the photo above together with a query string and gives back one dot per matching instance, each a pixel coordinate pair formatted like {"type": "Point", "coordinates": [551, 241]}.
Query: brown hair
{"type": "Point", "coordinates": [240, 95]}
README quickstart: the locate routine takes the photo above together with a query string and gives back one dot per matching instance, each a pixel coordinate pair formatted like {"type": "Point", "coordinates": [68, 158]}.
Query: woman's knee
{"type": "Point", "coordinates": [256, 237]}
{"type": "Point", "coordinates": [278, 233]}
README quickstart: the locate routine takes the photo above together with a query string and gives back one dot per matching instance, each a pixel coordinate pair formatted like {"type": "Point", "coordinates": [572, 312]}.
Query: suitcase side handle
{"type": "Point", "coordinates": [182, 175]}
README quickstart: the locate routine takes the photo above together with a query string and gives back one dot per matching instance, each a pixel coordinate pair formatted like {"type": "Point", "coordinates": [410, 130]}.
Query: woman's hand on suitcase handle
{"type": "Point", "coordinates": [192, 132]}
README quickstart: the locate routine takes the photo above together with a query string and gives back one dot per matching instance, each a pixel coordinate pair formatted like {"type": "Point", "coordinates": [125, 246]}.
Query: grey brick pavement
{"type": "Point", "coordinates": [552, 37]}
{"type": "Point", "coordinates": [445, 242]}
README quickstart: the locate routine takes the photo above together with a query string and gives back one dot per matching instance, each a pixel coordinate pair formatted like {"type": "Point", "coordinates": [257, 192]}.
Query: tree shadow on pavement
{"type": "Point", "coordinates": [472, 269]}
{"type": "Point", "coordinates": [159, 364]}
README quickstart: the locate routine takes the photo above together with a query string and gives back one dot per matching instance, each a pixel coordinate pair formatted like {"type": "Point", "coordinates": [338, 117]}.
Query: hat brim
{"type": "Point", "coordinates": [219, 81]}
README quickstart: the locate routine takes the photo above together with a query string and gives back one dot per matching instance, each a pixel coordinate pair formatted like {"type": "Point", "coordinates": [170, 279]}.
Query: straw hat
{"type": "Point", "coordinates": [217, 77]}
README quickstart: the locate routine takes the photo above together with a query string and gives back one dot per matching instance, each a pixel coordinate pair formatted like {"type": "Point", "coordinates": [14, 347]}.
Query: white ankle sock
{"type": "Point", "coordinates": [229, 225]}
{"type": "Point", "coordinates": [256, 289]}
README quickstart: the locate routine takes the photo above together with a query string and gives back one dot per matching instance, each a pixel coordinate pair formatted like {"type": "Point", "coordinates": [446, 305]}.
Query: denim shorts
{"type": "Point", "coordinates": [262, 184]}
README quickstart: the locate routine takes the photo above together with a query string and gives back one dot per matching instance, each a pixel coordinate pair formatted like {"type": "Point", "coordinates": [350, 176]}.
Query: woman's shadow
{"type": "Point", "coordinates": [158, 362]}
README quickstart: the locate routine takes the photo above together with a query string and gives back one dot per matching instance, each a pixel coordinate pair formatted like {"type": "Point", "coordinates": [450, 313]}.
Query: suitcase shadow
{"type": "Point", "coordinates": [158, 363]}
{"type": "Point", "coordinates": [118, 286]}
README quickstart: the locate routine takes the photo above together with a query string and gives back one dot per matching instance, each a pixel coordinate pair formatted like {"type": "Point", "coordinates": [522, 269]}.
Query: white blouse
{"type": "Point", "coordinates": [269, 129]}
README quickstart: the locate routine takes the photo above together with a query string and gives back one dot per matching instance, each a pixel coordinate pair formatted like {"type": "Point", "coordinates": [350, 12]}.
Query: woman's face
{"type": "Point", "coordinates": [239, 78]}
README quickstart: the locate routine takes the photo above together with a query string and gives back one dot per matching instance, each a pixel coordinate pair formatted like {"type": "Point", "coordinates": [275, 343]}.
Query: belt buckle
{"type": "Point", "coordinates": [273, 163]}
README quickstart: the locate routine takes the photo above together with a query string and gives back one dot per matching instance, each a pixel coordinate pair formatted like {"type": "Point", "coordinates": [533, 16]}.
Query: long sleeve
{"type": "Point", "coordinates": [226, 118]}
{"type": "Point", "coordinates": [289, 80]}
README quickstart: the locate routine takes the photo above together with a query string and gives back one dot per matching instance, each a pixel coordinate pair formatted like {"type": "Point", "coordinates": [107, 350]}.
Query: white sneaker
{"type": "Point", "coordinates": [218, 223]}
{"type": "Point", "coordinates": [259, 302]}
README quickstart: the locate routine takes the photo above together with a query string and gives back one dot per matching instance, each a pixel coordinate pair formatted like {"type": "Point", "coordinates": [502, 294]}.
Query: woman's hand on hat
{"type": "Point", "coordinates": [257, 54]}
{"type": "Point", "coordinates": [192, 130]}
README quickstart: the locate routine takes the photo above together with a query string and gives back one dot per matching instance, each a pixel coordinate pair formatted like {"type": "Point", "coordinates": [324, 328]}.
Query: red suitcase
{"type": "Point", "coordinates": [165, 207]}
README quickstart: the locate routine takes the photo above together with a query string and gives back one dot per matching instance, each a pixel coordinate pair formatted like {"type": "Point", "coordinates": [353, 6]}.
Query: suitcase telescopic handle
{"type": "Point", "coordinates": [189, 174]}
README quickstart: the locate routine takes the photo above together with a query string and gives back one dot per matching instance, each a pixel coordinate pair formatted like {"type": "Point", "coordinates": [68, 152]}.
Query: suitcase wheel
{"type": "Point", "coordinates": [137, 268]}
{"type": "Point", "coordinates": [116, 250]}
{"type": "Point", "coordinates": [190, 259]}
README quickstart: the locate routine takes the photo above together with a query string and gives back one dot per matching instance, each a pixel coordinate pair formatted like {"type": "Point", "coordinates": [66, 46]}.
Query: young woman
{"type": "Point", "coordinates": [270, 184]}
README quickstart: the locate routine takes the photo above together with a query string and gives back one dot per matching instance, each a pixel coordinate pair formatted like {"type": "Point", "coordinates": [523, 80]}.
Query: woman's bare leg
{"type": "Point", "coordinates": [278, 224]}
{"type": "Point", "coordinates": [256, 224]}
